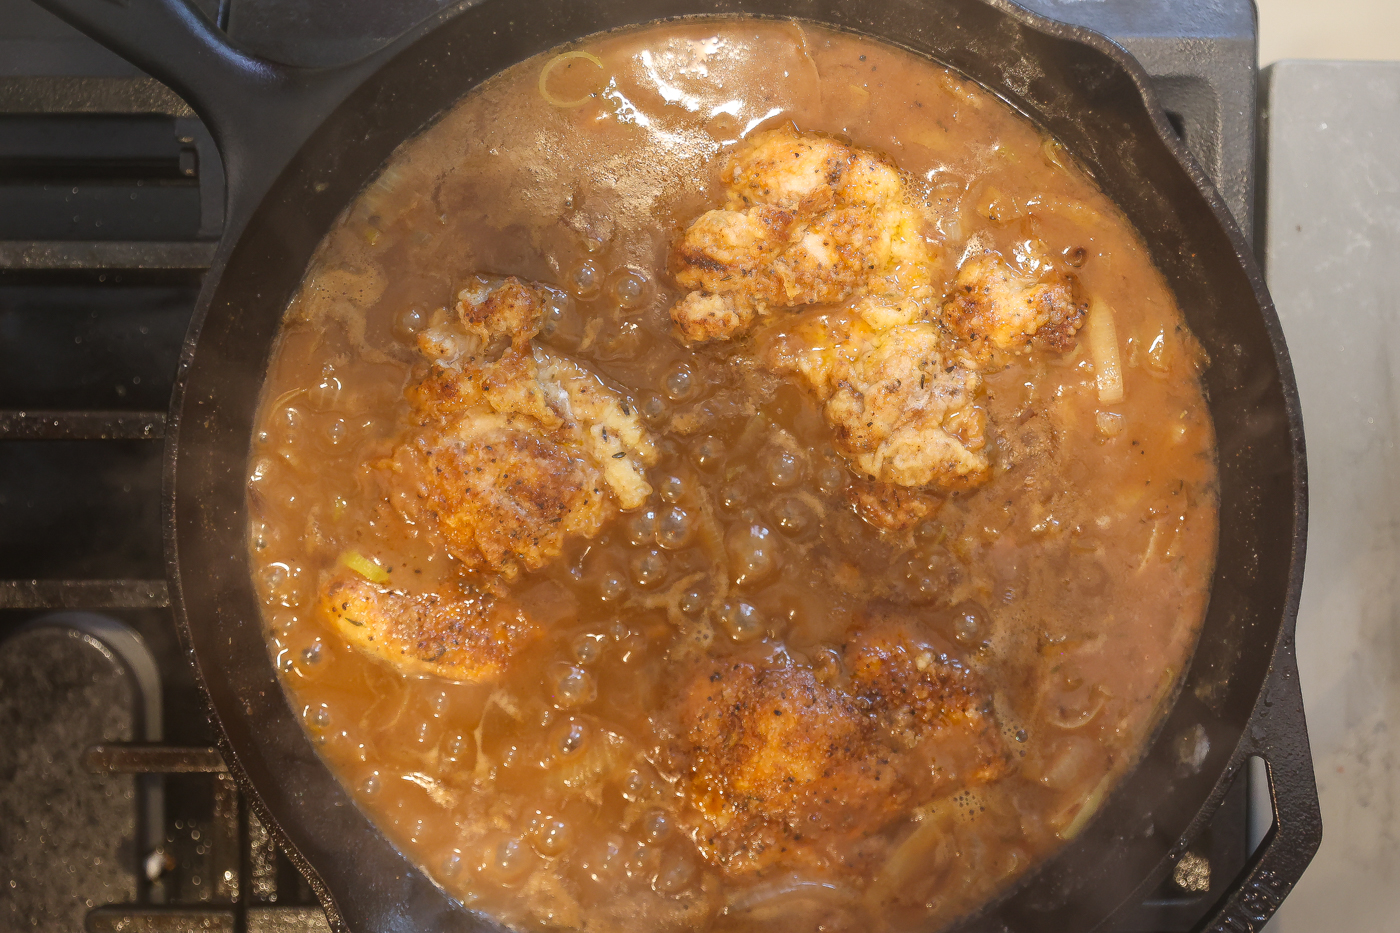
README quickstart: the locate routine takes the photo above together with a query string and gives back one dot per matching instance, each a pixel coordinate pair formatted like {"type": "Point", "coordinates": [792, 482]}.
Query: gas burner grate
{"type": "Point", "coordinates": [119, 813]}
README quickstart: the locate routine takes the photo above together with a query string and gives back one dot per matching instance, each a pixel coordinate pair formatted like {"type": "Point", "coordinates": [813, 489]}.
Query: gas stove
{"type": "Point", "coordinates": [116, 812]}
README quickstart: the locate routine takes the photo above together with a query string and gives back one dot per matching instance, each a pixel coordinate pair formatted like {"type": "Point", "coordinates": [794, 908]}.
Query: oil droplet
{"type": "Point", "coordinates": [410, 322]}
{"type": "Point", "coordinates": [587, 281]}
{"type": "Point", "coordinates": [612, 586]}
{"type": "Point", "coordinates": [570, 736]}
{"type": "Point", "coordinates": [708, 453]}
{"type": "Point", "coordinates": [793, 516]}
{"type": "Point", "coordinates": [630, 287]}
{"type": "Point", "coordinates": [574, 687]}
{"type": "Point", "coordinates": [680, 382]}
{"type": "Point", "coordinates": [649, 568]}
{"type": "Point", "coordinates": [588, 648]}
{"type": "Point", "coordinates": [752, 553]}
{"type": "Point", "coordinates": [641, 526]}
{"type": "Point", "coordinates": [553, 837]}
{"type": "Point", "coordinates": [742, 621]}
{"type": "Point", "coordinates": [510, 859]}
{"type": "Point", "coordinates": [671, 488]}
{"type": "Point", "coordinates": [674, 528]}
{"type": "Point", "coordinates": [784, 467]}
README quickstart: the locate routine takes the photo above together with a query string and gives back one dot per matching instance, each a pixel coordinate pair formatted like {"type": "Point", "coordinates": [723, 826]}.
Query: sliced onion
{"type": "Point", "coordinates": [1089, 807]}
{"type": "Point", "coordinates": [550, 66]}
{"type": "Point", "coordinates": [1082, 718]}
{"type": "Point", "coordinates": [1074, 761]}
{"type": "Point", "coordinates": [365, 567]}
{"type": "Point", "coordinates": [925, 852]}
{"type": "Point", "coordinates": [784, 896]}
{"type": "Point", "coordinates": [503, 701]}
{"type": "Point", "coordinates": [1103, 347]}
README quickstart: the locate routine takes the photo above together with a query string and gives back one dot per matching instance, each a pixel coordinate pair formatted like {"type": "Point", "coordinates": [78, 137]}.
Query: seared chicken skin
{"type": "Point", "coordinates": [902, 405]}
{"type": "Point", "coordinates": [808, 220]}
{"type": "Point", "coordinates": [995, 311]}
{"type": "Point", "coordinates": [780, 767]}
{"type": "Point", "coordinates": [519, 453]}
{"type": "Point", "coordinates": [467, 632]}
{"type": "Point", "coordinates": [784, 768]}
{"type": "Point", "coordinates": [926, 700]}
{"type": "Point", "coordinates": [516, 451]}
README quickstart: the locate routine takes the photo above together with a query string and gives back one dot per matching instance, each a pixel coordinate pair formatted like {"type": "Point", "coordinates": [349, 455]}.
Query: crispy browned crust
{"type": "Point", "coordinates": [814, 164]}
{"type": "Point", "coordinates": [779, 766]}
{"type": "Point", "coordinates": [437, 392]}
{"type": "Point", "coordinates": [993, 313]}
{"type": "Point", "coordinates": [891, 507]}
{"type": "Point", "coordinates": [929, 701]}
{"type": "Point", "coordinates": [785, 769]}
{"type": "Point", "coordinates": [833, 256]}
{"type": "Point", "coordinates": [517, 449]}
{"type": "Point", "coordinates": [702, 316]}
{"type": "Point", "coordinates": [466, 633]}
{"type": "Point", "coordinates": [906, 414]}
{"type": "Point", "coordinates": [506, 497]}
{"type": "Point", "coordinates": [727, 252]}
{"type": "Point", "coordinates": [807, 220]}
{"type": "Point", "coordinates": [513, 309]}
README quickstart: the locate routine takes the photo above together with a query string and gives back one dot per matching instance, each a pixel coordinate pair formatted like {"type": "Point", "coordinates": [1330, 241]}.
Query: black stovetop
{"type": "Point", "coordinates": [115, 812]}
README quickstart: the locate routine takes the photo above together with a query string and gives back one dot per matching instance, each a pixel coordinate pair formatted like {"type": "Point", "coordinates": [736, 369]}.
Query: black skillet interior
{"type": "Point", "coordinates": [1239, 694]}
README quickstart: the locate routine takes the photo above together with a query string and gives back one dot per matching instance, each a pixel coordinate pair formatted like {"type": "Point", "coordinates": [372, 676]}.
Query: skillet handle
{"type": "Point", "coordinates": [259, 112]}
{"type": "Point", "coordinates": [1277, 733]}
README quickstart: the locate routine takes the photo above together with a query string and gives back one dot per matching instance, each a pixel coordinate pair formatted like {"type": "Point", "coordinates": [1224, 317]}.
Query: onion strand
{"type": "Point", "coordinates": [1089, 807]}
{"type": "Point", "coordinates": [550, 66]}
{"type": "Point", "coordinates": [365, 567]}
{"type": "Point", "coordinates": [1103, 347]}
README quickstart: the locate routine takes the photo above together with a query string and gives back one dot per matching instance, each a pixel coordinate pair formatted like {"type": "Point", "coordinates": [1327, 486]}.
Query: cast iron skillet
{"type": "Point", "coordinates": [298, 144]}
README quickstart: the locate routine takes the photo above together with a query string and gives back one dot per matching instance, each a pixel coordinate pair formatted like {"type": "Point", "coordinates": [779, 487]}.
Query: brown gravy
{"type": "Point", "coordinates": [1073, 582]}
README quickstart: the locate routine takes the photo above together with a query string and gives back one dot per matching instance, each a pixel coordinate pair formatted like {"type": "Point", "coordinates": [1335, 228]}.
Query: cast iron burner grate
{"type": "Point", "coordinates": [117, 813]}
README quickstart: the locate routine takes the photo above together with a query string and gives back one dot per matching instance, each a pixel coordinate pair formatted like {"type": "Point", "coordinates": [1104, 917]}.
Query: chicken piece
{"type": "Point", "coordinates": [906, 414]}
{"type": "Point", "coordinates": [780, 768]}
{"type": "Point", "coordinates": [511, 310]}
{"type": "Point", "coordinates": [502, 495]}
{"type": "Point", "coordinates": [514, 455]}
{"type": "Point", "coordinates": [704, 316]}
{"type": "Point", "coordinates": [732, 253]}
{"type": "Point", "coordinates": [784, 769]}
{"type": "Point", "coordinates": [468, 632]}
{"type": "Point", "coordinates": [891, 507]}
{"type": "Point", "coordinates": [928, 701]}
{"type": "Point", "coordinates": [903, 410]}
{"type": "Point", "coordinates": [807, 173]}
{"type": "Point", "coordinates": [807, 220]}
{"type": "Point", "coordinates": [786, 169]}
{"type": "Point", "coordinates": [995, 312]}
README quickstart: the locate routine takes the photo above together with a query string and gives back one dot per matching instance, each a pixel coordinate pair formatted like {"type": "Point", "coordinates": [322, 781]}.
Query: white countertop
{"type": "Point", "coordinates": [1332, 253]}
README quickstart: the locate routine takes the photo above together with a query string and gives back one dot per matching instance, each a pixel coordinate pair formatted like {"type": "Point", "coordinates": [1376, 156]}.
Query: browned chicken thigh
{"type": "Point", "coordinates": [782, 769]}
{"type": "Point", "coordinates": [516, 451]}
{"type": "Point", "coordinates": [787, 768]}
{"type": "Point", "coordinates": [465, 632]}
{"type": "Point", "coordinates": [808, 220]}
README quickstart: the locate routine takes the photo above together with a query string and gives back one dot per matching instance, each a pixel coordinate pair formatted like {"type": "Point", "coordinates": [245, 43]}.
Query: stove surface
{"type": "Point", "coordinates": [116, 813]}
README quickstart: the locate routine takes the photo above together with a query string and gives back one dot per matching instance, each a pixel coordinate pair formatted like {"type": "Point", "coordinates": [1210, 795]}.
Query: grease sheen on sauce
{"type": "Point", "coordinates": [1077, 590]}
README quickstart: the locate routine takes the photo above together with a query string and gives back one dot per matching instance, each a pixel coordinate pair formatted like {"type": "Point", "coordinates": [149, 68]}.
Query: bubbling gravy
{"type": "Point", "coordinates": [613, 557]}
